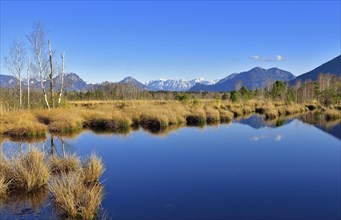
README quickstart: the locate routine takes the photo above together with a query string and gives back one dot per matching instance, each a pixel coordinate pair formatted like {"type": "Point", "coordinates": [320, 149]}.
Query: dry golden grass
{"type": "Point", "coordinates": [73, 198]}
{"type": "Point", "coordinates": [212, 115]}
{"type": "Point", "coordinates": [248, 109]}
{"type": "Point", "coordinates": [60, 120]}
{"type": "Point", "coordinates": [225, 115]}
{"type": "Point", "coordinates": [154, 115]}
{"type": "Point", "coordinates": [269, 111]}
{"type": "Point", "coordinates": [197, 116]}
{"type": "Point", "coordinates": [294, 109]}
{"type": "Point", "coordinates": [3, 185]}
{"type": "Point", "coordinates": [75, 188]}
{"type": "Point", "coordinates": [111, 121]}
{"type": "Point", "coordinates": [69, 163]}
{"type": "Point", "coordinates": [92, 169]}
{"type": "Point", "coordinates": [237, 110]}
{"type": "Point", "coordinates": [28, 171]}
{"type": "Point", "coordinates": [21, 124]}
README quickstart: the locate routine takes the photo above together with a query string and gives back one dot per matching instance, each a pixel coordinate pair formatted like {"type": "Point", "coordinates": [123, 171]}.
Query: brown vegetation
{"type": "Point", "coordinates": [73, 198]}
{"type": "Point", "coordinates": [28, 176]}
{"type": "Point", "coordinates": [27, 171]}
{"type": "Point", "coordinates": [117, 116]}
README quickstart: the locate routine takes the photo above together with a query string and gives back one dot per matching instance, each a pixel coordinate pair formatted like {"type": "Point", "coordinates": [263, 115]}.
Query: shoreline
{"type": "Point", "coordinates": [116, 116]}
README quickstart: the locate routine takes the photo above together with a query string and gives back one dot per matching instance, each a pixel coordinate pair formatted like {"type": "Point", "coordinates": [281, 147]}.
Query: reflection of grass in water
{"type": "Point", "coordinates": [68, 134]}
{"type": "Point", "coordinates": [332, 115]}
{"type": "Point", "coordinates": [280, 122]}
{"type": "Point", "coordinates": [28, 139]}
{"type": "Point", "coordinates": [318, 118]}
{"type": "Point", "coordinates": [21, 200]}
{"type": "Point", "coordinates": [122, 131]}
{"type": "Point", "coordinates": [162, 131]}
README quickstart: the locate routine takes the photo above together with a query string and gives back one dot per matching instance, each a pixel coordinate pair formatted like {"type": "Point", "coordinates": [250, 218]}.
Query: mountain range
{"type": "Point", "coordinates": [176, 85]}
{"type": "Point", "coordinates": [255, 78]}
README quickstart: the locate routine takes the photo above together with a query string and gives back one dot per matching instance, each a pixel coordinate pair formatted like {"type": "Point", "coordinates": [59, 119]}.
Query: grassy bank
{"type": "Point", "coordinates": [115, 116]}
{"type": "Point", "coordinates": [73, 185]}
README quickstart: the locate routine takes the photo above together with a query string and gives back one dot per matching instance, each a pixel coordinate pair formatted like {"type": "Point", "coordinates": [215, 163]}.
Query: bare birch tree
{"type": "Point", "coordinates": [51, 73]}
{"type": "Point", "coordinates": [38, 46]}
{"type": "Point", "coordinates": [15, 63]}
{"type": "Point", "coordinates": [28, 82]}
{"type": "Point", "coordinates": [62, 80]}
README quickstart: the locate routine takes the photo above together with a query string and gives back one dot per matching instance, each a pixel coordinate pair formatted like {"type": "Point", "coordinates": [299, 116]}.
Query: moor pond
{"type": "Point", "coordinates": [247, 169]}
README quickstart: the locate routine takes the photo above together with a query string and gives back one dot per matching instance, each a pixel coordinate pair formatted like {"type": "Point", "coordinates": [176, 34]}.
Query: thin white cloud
{"type": "Point", "coordinates": [258, 137]}
{"type": "Point", "coordinates": [279, 137]}
{"type": "Point", "coordinates": [277, 58]}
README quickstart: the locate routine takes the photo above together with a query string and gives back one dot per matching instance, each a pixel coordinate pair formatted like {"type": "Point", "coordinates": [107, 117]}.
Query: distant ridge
{"type": "Point", "coordinates": [130, 80]}
{"type": "Point", "coordinates": [332, 67]}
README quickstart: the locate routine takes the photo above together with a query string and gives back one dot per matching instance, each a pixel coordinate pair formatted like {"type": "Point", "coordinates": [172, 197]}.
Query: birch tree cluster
{"type": "Point", "coordinates": [34, 59]}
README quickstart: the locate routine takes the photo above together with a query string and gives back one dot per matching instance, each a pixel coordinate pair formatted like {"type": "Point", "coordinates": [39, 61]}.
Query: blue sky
{"type": "Point", "coordinates": [108, 40]}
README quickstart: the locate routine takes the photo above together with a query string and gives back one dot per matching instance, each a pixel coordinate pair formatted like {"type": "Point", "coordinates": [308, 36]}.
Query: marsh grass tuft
{"type": "Point", "coordinates": [73, 198]}
{"type": "Point", "coordinates": [27, 177]}
{"type": "Point", "coordinates": [3, 186]}
{"type": "Point", "coordinates": [269, 111]}
{"type": "Point", "coordinates": [28, 171]}
{"type": "Point", "coordinates": [92, 169]}
{"type": "Point", "coordinates": [69, 163]}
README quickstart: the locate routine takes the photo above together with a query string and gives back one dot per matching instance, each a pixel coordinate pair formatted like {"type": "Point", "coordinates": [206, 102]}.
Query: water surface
{"type": "Point", "coordinates": [248, 169]}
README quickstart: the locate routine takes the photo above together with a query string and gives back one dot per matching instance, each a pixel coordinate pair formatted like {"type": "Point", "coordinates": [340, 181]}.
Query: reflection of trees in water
{"type": "Point", "coordinates": [317, 118]}
{"type": "Point", "coordinates": [332, 127]}
{"type": "Point", "coordinates": [314, 118]}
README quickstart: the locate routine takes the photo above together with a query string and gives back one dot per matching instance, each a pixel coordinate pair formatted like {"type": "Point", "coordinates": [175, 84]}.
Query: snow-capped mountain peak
{"type": "Point", "coordinates": [175, 85]}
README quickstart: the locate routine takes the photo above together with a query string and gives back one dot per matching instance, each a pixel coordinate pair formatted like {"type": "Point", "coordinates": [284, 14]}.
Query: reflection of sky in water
{"type": "Point", "coordinates": [229, 171]}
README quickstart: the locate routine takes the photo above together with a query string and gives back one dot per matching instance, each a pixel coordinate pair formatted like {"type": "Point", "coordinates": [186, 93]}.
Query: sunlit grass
{"type": "Point", "coordinates": [69, 163]}
{"type": "Point", "coordinates": [28, 171]}
{"type": "Point", "coordinates": [92, 169]}
{"type": "Point", "coordinates": [28, 176]}
{"type": "Point", "coordinates": [73, 198]}
{"type": "Point", "coordinates": [116, 116]}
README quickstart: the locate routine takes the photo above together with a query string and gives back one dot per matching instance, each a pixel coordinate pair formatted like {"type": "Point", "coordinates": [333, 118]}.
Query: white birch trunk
{"type": "Point", "coordinates": [28, 83]}
{"type": "Point", "coordinates": [62, 81]}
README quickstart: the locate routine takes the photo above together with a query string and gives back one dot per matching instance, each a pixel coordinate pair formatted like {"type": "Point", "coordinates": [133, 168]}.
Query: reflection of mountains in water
{"type": "Point", "coordinates": [316, 119]}
{"type": "Point", "coordinates": [257, 121]}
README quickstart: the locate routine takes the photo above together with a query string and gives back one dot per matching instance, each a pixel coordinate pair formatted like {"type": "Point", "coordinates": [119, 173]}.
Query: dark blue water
{"type": "Point", "coordinates": [235, 171]}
